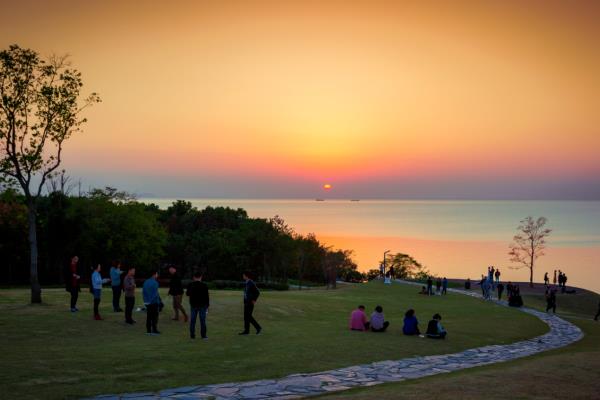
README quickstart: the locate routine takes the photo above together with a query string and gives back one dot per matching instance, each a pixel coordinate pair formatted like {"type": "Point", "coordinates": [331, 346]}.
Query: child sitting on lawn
{"type": "Point", "coordinates": [435, 330]}
{"type": "Point", "coordinates": [411, 324]}
{"type": "Point", "coordinates": [358, 319]}
{"type": "Point", "coordinates": [378, 322]}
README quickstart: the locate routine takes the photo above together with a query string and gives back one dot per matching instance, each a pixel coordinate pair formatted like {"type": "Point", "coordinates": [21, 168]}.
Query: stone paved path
{"type": "Point", "coordinates": [296, 386]}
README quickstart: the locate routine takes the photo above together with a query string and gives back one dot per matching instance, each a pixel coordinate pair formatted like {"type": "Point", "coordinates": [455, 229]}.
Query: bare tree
{"type": "Point", "coordinates": [60, 183]}
{"type": "Point", "coordinates": [40, 109]}
{"type": "Point", "coordinates": [529, 244]}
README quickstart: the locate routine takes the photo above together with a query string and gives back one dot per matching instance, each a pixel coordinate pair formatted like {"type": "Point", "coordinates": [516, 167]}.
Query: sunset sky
{"type": "Point", "coordinates": [379, 99]}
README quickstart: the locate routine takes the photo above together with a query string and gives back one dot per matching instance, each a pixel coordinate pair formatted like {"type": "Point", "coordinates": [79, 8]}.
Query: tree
{"type": "Point", "coordinates": [405, 266]}
{"type": "Point", "coordinates": [40, 109]}
{"type": "Point", "coordinates": [529, 244]}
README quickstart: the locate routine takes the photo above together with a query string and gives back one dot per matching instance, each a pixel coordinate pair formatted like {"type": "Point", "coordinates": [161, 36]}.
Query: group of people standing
{"type": "Point", "coordinates": [441, 287]}
{"type": "Point", "coordinates": [197, 292]}
{"type": "Point", "coordinates": [377, 323]}
{"type": "Point", "coordinates": [560, 279]}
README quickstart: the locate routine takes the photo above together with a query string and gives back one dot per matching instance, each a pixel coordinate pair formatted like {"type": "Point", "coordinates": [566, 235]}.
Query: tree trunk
{"type": "Point", "coordinates": [36, 289]}
{"type": "Point", "coordinates": [531, 270]}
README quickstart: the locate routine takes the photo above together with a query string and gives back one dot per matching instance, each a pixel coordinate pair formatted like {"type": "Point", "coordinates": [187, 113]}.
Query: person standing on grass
{"type": "Point", "coordinates": [115, 281]}
{"type": "Point", "coordinates": [445, 286]}
{"type": "Point", "coordinates": [197, 291]}
{"type": "Point", "coordinates": [551, 300]}
{"type": "Point", "coordinates": [429, 286]}
{"type": "Point", "coordinates": [97, 283]}
{"type": "Point", "coordinates": [497, 275]}
{"type": "Point", "coordinates": [598, 313]}
{"type": "Point", "coordinates": [554, 280]}
{"type": "Point", "coordinates": [176, 292]}
{"type": "Point", "coordinates": [438, 286]}
{"type": "Point", "coordinates": [129, 289]}
{"type": "Point", "coordinates": [500, 289]}
{"type": "Point", "coordinates": [546, 279]}
{"type": "Point", "coordinates": [378, 322]}
{"type": "Point", "coordinates": [152, 302]}
{"type": "Point", "coordinates": [358, 319]}
{"type": "Point", "coordinates": [251, 294]}
{"type": "Point", "coordinates": [73, 282]}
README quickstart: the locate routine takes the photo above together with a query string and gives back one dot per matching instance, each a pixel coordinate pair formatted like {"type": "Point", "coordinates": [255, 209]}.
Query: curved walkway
{"type": "Point", "coordinates": [562, 333]}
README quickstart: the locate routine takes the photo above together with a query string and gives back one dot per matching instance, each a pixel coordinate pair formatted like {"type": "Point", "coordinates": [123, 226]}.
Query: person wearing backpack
{"type": "Point", "coordinates": [251, 294]}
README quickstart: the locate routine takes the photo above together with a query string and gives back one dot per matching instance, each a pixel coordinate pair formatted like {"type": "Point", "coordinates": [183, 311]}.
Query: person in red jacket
{"type": "Point", "coordinates": [72, 282]}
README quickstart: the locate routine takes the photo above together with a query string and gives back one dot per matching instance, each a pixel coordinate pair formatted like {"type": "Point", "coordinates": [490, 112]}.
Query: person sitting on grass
{"type": "Point", "coordinates": [435, 330]}
{"type": "Point", "coordinates": [423, 290]}
{"type": "Point", "coordinates": [411, 324]}
{"type": "Point", "coordinates": [358, 319]}
{"type": "Point", "coordinates": [97, 283]}
{"type": "Point", "coordinates": [378, 322]}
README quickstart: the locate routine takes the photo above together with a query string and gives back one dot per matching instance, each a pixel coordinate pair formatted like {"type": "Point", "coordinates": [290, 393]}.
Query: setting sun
{"type": "Point", "coordinates": [327, 186]}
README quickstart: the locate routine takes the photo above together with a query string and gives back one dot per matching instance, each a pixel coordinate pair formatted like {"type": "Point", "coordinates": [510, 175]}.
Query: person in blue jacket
{"type": "Point", "coordinates": [96, 289]}
{"type": "Point", "coordinates": [411, 324]}
{"type": "Point", "coordinates": [117, 288]}
{"type": "Point", "coordinates": [152, 302]}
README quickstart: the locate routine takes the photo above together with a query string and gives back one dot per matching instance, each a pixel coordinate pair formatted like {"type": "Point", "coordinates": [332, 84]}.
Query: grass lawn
{"type": "Point", "coordinates": [572, 372]}
{"type": "Point", "coordinates": [47, 352]}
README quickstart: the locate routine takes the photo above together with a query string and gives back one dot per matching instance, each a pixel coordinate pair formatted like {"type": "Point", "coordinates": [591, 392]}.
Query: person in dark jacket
{"type": "Point", "coordinates": [598, 313]}
{"type": "Point", "coordinates": [435, 330]}
{"type": "Point", "coordinates": [72, 282]}
{"type": "Point", "coordinates": [500, 289]}
{"type": "Point", "coordinates": [197, 291]}
{"type": "Point", "coordinates": [176, 292]}
{"type": "Point", "coordinates": [429, 286]}
{"type": "Point", "coordinates": [251, 294]}
{"type": "Point", "coordinates": [551, 299]}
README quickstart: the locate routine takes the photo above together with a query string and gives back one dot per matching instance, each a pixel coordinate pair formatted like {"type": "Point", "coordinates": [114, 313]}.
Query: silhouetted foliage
{"type": "Point", "coordinates": [40, 108]}
{"type": "Point", "coordinates": [106, 225]}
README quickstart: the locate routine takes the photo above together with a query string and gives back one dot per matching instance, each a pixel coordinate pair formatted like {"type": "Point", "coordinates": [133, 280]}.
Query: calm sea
{"type": "Point", "coordinates": [456, 239]}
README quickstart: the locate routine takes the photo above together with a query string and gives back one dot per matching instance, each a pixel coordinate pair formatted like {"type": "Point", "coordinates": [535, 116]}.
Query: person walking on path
{"type": "Point", "coordinates": [487, 288]}
{"type": "Point", "coordinates": [546, 279]}
{"type": "Point", "coordinates": [115, 281]}
{"type": "Point", "coordinates": [176, 292]}
{"type": "Point", "coordinates": [429, 286]}
{"type": "Point", "coordinates": [445, 286]}
{"type": "Point", "coordinates": [251, 294]}
{"type": "Point", "coordinates": [197, 291]}
{"type": "Point", "coordinates": [97, 283]}
{"type": "Point", "coordinates": [551, 300]}
{"type": "Point", "coordinates": [500, 289]}
{"type": "Point", "coordinates": [73, 282]}
{"type": "Point", "coordinates": [129, 289]}
{"type": "Point", "coordinates": [378, 322]}
{"type": "Point", "coordinates": [152, 303]}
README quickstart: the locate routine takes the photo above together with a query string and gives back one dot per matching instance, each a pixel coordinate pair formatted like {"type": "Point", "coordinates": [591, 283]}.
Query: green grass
{"type": "Point", "coordinates": [571, 372]}
{"type": "Point", "coordinates": [47, 352]}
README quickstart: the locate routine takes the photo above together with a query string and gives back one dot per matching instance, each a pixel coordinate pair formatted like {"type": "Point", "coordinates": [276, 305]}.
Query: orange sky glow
{"type": "Point", "coordinates": [337, 92]}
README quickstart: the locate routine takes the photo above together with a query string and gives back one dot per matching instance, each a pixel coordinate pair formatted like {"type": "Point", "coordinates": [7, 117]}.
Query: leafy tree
{"type": "Point", "coordinates": [40, 109]}
{"type": "Point", "coordinates": [372, 274]}
{"type": "Point", "coordinates": [405, 266]}
{"type": "Point", "coordinates": [529, 244]}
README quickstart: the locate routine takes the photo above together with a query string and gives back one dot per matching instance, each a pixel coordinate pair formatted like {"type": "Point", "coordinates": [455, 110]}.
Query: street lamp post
{"type": "Point", "coordinates": [384, 254]}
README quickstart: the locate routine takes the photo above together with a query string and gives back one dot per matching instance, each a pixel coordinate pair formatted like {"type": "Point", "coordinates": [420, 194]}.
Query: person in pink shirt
{"type": "Point", "coordinates": [358, 319]}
